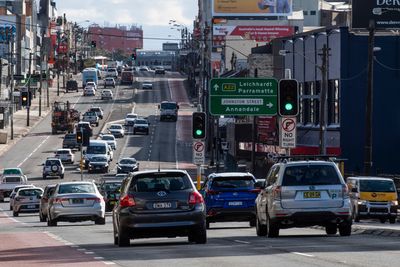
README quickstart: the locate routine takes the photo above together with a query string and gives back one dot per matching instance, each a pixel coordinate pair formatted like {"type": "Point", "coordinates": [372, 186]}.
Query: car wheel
{"type": "Point", "coordinates": [382, 220]}
{"type": "Point", "coordinates": [51, 222]}
{"type": "Point", "coordinates": [62, 176]}
{"type": "Point", "coordinates": [44, 176]}
{"type": "Point", "coordinates": [199, 235]}
{"type": "Point", "coordinates": [207, 225]}
{"type": "Point", "coordinates": [261, 229]}
{"type": "Point", "coordinates": [115, 236]}
{"type": "Point", "coordinates": [97, 124]}
{"type": "Point", "coordinates": [331, 229]}
{"type": "Point", "coordinates": [252, 222]}
{"type": "Point", "coordinates": [273, 228]}
{"type": "Point", "coordinates": [123, 241]}
{"type": "Point", "coordinates": [345, 229]}
{"type": "Point", "coordinates": [15, 214]}
{"type": "Point", "coordinates": [11, 208]}
{"type": "Point", "coordinates": [1, 199]}
{"type": "Point", "coordinates": [100, 221]}
{"type": "Point", "coordinates": [134, 132]}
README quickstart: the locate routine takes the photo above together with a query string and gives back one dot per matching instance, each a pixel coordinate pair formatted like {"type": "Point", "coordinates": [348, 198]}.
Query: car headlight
{"type": "Point", "coordinates": [362, 202]}
{"type": "Point", "coordinates": [394, 202]}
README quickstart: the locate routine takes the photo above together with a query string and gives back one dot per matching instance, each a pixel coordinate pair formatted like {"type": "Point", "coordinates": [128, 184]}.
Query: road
{"type": "Point", "coordinates": [27, 242]}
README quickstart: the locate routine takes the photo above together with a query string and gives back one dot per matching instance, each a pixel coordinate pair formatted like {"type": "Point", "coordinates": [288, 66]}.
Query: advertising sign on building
{"type": "Point", "coordinates": [257, 33]}
{"type": "Point", "coordinates": [386, 14]}
{"type": "Point", "coordinates": [6, 31]}
{"type": "Point", "coordinates": [236, 8]}
{"type": "Point", "coordinates": [267, 131]}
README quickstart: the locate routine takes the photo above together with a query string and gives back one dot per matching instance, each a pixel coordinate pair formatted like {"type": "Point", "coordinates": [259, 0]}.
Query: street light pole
{"type": "Point", "coordinates": [28, 107]}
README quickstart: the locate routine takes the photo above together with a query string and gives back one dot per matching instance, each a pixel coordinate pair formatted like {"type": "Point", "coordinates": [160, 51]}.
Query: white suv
{"type": "Point", "coordinates": [53, 167]}
{"type": "Point", "coordinates": [303, 194]}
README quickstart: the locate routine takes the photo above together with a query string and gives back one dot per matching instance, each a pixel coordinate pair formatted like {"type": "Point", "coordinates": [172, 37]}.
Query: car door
{"type": "Point", "coordinates": [262, 200]}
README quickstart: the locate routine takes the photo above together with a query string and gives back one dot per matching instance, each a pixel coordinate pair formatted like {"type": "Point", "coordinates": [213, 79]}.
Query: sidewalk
{"type": "Point", "coordinates": [20, 117]}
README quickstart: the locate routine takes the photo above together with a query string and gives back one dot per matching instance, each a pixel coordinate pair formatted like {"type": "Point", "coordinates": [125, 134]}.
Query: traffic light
{"type": "Point", "coordinates": [24, 98]}
{"type": "Point", "coordinates": [79, 137]}
{"type": "Point", "coordinates": [288, 97]}
{"type": "Point", "coordinates": [133, 55]}
{"type": "Point", "coordinates": [86, 137]}
{"type": "Point", "coordinates": [199, 125]}
{"type": "Point", "coordinates": [93, 44]}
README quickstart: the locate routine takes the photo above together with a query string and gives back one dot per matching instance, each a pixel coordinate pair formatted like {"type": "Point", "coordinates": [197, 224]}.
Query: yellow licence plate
{"type": "Point", "coordinates": [312, 194]}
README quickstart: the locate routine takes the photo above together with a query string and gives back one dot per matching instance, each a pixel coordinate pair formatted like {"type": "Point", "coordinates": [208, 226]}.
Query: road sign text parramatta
{"type": "Point", "coordinates": [243, 96]}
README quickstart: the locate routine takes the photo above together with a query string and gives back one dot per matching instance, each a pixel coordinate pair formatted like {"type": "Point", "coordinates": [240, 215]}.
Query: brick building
{"type": "Point", "coordinates": [122, 38]}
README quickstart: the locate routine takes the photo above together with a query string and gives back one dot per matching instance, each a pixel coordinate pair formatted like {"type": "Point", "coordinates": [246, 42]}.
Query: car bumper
{"type": "Point", "coordinates": [230, 214]}
{"type": "Point", "coordinates": [141, 130]}
{"type": "Point", "coordinates": [162, 225]}
{"type": "Point", "coordinates": [61, 213]}
{"type": "Point", "coordinates": [26, 208]}
{"type": "Point", "coordinates": [97, 168]}
{"type": "Point", "coordinates": [377, 211]}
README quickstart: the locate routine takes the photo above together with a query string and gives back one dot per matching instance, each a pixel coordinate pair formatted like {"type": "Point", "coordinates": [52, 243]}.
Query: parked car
{"type": "Point", "coordinates": [53, 167]}
{"type": "Point", "coordinates": [159, 203]}
{"type": "Point", "coordinates": [44, 201]}
{"type": "Point", "coordinates": [141, 126]}
{"type": "Point", "coordinates": [127, 165]}
{"type": "Point", "coordinates": [109, 81]}
{"type": "Point", "coordinates": [72, 85]}
{"type": "Point", "coordinates": [373, 197]}
{"type": "Point", "coordinates": [70, 142]}
{"type": "Point", "coordinates": [117, 130]}
{"type": "Point", "coordinates": [230, 196]}
{"type": "Point", "coordinates": [303, 194]}
{"type": "Point", "coordinates": [27, 200]}
{"type": "Point", "coordinates": [110, 139]}
{"type": "Point", "coordinates": [76, 202]}
{"type": "Point", "coordinates": [14, 192]}
{"type": "Point", "coordinates": [99, 111]}
{"type": "Point", "coordinates": [130, 119]}
{"type": "Point", "coordinates": [106, 94]}
{"type": "Point", "coordinates": [110, 190]}
{"type": "Point", "coordinates": [98, 163]}
{"type": "Point", "coordinates": [65, 155]}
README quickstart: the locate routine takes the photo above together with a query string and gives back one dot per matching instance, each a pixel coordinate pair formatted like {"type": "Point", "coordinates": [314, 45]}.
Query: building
{"type": "Point", "coordinates": [112, 39]}
{"type": "Point", "coordinates": [151, 59]}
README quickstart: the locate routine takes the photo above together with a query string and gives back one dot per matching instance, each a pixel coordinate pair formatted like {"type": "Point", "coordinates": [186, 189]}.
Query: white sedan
{"type": "Point", "coordinates": [106, 94]}
{"type": "Point", "coordinates": [89, 91]}
{"type": "Point", "coordinates": [65, 155]}
{"type": "Point", "coordinates": [117, 130]}
{"type": "Point", "coordinates": [110, 139]}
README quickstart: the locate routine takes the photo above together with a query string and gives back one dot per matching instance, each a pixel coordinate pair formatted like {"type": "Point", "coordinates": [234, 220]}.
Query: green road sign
{"type": "Point", "coordinates": [243, 96]}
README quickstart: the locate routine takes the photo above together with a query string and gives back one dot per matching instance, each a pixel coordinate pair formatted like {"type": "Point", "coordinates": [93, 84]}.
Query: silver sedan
{"type": "Point", "coordinates": [27, 200]}
{"type": "Point", "coordinates": [76, 202]}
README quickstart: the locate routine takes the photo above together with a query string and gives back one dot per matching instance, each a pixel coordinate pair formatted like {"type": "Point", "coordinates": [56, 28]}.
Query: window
{"type": "Point", "coordinates": [333, 102]}
{"type": "Point", "coordinates": [273, 176]}
{"type": "Point", "coordinates": [165, 182]}
{"type": "Point", "coordinates": [305, 12]}
{"type": "Point", "coordinates": [313, 12]}
{"type": "Point", "coordinates": [310, 175]}
{"type": "Point", "coordinates": [377, 186]}
{"type": "Point", "coordinates": [233, 182]}
{"type": "Point", "coordinates": [76, 188]}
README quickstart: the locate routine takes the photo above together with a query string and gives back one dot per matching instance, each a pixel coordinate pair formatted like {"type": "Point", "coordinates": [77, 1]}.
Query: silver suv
{"type": "Point", "coordinates": [303, 194]}
{"type": "Point", "coordinates": [53, 167]}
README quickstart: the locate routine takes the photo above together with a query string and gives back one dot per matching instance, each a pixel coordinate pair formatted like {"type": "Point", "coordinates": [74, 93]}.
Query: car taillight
{"type": "Point", "coordinates": [195, 198]}
{"type": "Point", "coordinates": [95, 199]}
{"type": "Point", "coordinates": [127, 201]}
{"type": "Point", "coordinates": [276, 192]}
{"type": "Point", "coordinates": [212, 192]}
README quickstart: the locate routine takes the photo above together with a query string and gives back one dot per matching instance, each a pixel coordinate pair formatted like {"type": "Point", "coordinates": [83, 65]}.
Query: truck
{"type": "Point", "coordinates": [9, 182]}
{"type": "Point", "coordinates": [90, 75]}
{"type": "Point", "coordinates": [168, 110]}
{"type": "Point", "coordinates": [63, 117]}
{"type": "Point", "coordinates": [127, 77]}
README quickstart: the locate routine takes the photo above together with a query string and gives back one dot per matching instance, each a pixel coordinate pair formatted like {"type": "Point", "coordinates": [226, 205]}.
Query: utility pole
{"type": "Point", "coordinates": [76, 42]}
{"type": "Point", "coordinates": [28, 107]}
{"type": "Point", "coordinates": [323, 102]}
{"type": "Point", "coordinates": [12, 86]}
{"type": "Point", "coordinates": [369, 101]}
{"type": "Point", "coordinates": [58, 63]}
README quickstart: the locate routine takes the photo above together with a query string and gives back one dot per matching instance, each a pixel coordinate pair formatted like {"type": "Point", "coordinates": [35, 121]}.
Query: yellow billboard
{"type": "Point", "coordinates": [229, 8]}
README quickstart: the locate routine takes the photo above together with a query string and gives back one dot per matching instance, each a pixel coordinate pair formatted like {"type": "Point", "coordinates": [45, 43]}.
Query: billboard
{"type": "Point", "coordinates": [385, 13]}
{"type": "Point", "coordinates": [252, 8]}
{"type": "Point", "coordinates": [257, 33]}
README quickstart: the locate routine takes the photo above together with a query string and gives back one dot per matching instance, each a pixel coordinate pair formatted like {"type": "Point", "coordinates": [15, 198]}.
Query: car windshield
{"type": "Point", "coordinates": [310, 175]}
{"type": "Point", "coordinates": [168, 105]}
{"type": "Point", "coordinates": [50, 191]}
{"type": "Point", "coordinates": [90, 83]}
{"type": "Point", "coordinates": [140, 122]}
{"type": "Point", "coordinates": [96, 149]}
{"type": "Point", "coordinates": [70, 136]}
{"type": "Point", "coordinates": [12, 171]}
{"type": "Point", "coordinates": [116, 127]}
{"type": "Point", "coordinates": [62, 152]}
{"type": "Point", "coordinates": [127, 161]}
{"type": "Point", "coordinates": [95, 109]}
{"type": "Point", "coordinates": [10, 179]}
{"type": "Point", "coordinates": [98, 159]}
{"type": "Point", "coordinates": [160, 182]}
{"type": "Point", "coordinates": [76, 188]}
{"type": "Point", "coordinates": [30, 192]}
{"type": "Point", "coordinates": [233, 182]}
{"type": "Point", "coordinates": [52, 162]}
{"type": "Point", "coordinates": [377, 186]}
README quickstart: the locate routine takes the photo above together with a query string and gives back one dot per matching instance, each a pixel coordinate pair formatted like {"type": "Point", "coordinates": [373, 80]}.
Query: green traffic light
{"type": "Point", "coordinates": [288, 106]}
{"type": "Point", "coordinates": [199, 132]}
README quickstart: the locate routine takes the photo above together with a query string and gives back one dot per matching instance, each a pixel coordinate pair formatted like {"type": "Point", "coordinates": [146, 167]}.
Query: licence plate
{"type": "Point", "coordinates": [162, 205]}
{"type": "Point", "coordinates": [312, 194]}
{"type": "Point", "coordinates": [77, 201]}
{"type": "Point", "coordinates": [31, 206]}
{"type": "Point", "coordinates": [235, 203]}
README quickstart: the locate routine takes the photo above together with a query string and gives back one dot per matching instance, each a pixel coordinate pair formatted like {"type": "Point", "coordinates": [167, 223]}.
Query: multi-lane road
{"type": "Point", "coordinates": [24, 241]}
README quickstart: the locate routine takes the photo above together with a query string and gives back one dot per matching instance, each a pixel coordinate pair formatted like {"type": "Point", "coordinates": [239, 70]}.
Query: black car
{"type": "Point", "coordinates": [159, 203]}
{"type": "Point", "coordinates": [141, 126]}
{"type": "Point", "coordinates": [98, 164]}
{"type": "Point", "coordinates": [110, 189]}
{"type": "Point", "coordinates": [72, 85]}
{"type": "Point", "coordinates": [127, 165]}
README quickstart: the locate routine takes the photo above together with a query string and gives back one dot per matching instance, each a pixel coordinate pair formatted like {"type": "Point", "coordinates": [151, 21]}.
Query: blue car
{"type": "Point", "coordinates": [230, 196]}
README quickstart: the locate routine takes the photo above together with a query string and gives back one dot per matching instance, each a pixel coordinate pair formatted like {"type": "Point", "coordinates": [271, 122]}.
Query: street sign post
{"type": "Point", "coordinates": [198, 152]}
{"type": "Point", "coordinates": [243, 96]}
{"type": "Point", "coordinates": [287, 132]}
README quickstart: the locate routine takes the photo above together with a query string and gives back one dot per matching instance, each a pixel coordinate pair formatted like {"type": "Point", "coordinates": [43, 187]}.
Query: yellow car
{"type": "Point", "coordinates": [373, 197]}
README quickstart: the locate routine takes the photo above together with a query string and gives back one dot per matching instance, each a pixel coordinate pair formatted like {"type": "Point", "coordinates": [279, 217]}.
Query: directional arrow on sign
{"type": "Point", "coordinates": [270, 105]}
{"type": "Point", "coordinates": [216, 87]}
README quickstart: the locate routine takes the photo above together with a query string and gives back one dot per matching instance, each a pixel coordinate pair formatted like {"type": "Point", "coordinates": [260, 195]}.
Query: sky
{"type": "Point", "coordinates": [152, 15]}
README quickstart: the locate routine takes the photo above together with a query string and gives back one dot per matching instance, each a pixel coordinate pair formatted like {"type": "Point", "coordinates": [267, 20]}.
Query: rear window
{"type": "Point", "coordinates": [160, 182]}
{"type": "Point", "coordinates": [50, 191]}
{"type": "Point", "coordinates": [377, 186]}
{"type": "Point", "coordinates": [70, 136]}
{"type": "Point", "coordinates": [30, 192]}
{"type": "Point", "coordinates": [12, 171]}
{"type": "Point", "coordinates": [233, 182]}
{"type": "Point", "coordinates": [115, 186]}
{"type": "Point", "coordinates": [62, 152]}
{"type": "Point", "coordinates": [310, 175]}
{"type": "Point", "coordinates": [76, 188]}
{"type": "Point", "coordinates": [52, 162]}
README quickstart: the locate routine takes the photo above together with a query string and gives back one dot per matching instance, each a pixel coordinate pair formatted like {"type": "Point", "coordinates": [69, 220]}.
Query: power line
{"type": "Point", "coordinates": [385, 66]}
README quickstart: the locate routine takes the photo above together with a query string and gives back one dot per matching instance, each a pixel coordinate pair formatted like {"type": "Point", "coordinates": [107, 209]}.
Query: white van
{"type": "Point", "coordinates": [98, 147]}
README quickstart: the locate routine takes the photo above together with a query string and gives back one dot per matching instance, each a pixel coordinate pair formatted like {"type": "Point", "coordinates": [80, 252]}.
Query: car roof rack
{"type": "Point", "coordinates": [331, 158]}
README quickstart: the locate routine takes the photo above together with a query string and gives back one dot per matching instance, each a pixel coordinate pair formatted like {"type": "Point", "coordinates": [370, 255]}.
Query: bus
{"type": "Point", "coordinates": [90, 75]}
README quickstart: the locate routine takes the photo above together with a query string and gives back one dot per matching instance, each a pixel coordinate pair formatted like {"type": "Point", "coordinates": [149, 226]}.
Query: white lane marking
{"type": "Point", "coordinates": [73, 106]}
{"type": "Point", "coordinates": [242, 242]}
{"type": "Point", "coordinates": [30, 155]}
{"type": "Point", "coordinates": [108, 262]}
{"type": "Point", "coordinates": [303, 254]}
{"type": "Point", "coordinates": [98, 258]}
{"type": "Point", "coordinates": [81, 249]}
{"type": "Point", "coordinates": [89, 252]}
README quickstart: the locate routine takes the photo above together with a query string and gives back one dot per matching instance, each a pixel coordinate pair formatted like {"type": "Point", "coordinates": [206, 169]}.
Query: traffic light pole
{"type": "Point", "coordinates": [81, 163]}
{"type": "Point", "coordinates": [12, 86]}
